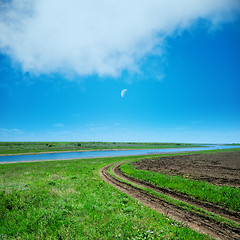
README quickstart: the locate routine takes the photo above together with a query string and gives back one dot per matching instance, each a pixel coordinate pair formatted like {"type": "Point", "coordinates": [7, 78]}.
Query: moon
{"type": "Point", "coordinates": [123, 92]}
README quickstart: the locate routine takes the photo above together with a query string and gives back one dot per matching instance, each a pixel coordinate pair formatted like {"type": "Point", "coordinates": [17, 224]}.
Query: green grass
{"type": "Point", "coordinates": [225, 196]}
{"type": "Point", "coordinates": [28, 147]}
{"type": "Point", "coordinates": [69, 200]}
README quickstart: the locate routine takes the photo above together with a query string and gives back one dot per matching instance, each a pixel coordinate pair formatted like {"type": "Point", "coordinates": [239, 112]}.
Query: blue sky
{"type": "Point", "coordinates": [182, 76]}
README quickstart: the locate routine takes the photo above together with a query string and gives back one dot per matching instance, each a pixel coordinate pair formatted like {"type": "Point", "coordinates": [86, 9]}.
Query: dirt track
{"type": "Point", "coordinates": [200, 223]}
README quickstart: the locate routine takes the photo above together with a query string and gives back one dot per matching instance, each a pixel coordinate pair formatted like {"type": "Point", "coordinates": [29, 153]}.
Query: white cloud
{"type": "Point", "coordinates": [97, 37]}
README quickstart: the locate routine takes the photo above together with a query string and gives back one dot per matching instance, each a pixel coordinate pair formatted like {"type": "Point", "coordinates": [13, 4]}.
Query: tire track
{"type": "Point", "coordinates": [234, 216]}
{"type": "Point", "coordinates": [198, 223]}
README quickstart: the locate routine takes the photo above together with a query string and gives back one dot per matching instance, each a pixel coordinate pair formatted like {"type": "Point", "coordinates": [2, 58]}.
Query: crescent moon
{"type": "Point", "coordinates": [123, 92]}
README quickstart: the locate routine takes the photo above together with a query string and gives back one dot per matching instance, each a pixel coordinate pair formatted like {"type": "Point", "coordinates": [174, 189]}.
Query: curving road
{"type": "Point", "coordinates": [197, 222]}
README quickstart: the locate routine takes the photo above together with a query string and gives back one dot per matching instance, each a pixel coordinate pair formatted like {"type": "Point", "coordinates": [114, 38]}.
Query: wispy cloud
{"type": "Point", "coordinates": [97, 37]}
{"type": "Point", "coordinates": [4, 132]}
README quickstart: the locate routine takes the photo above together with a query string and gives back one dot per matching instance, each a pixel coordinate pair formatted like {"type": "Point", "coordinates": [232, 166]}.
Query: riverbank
{"type": "Point", "coordinates": [65, 159]}
{"type": "Point", "coordinates": [52, 152]}
{"type": "Point", "coordinates": [55, 147]}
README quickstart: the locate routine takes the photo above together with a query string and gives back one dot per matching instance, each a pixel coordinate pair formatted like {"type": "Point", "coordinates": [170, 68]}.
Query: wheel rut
{"type": "Point", "coordinates": [196, 222]}
{"type": "Point", "coordinates": [234, 216]}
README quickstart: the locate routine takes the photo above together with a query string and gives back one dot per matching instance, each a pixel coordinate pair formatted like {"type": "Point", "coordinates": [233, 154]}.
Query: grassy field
{"type": "Point", "coordinates": [69, 200]}
{"type": "Point", "coordinates": [28, 147]}
{"type": "Point", "coordinates": [225, 196]}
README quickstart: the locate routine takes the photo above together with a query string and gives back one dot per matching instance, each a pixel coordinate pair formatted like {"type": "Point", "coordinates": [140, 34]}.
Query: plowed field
{"type": "Point", "coordinates": [219, 168]}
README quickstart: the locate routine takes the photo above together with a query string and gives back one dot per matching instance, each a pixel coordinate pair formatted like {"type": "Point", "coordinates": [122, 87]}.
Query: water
{"type": "Point", "coordinates": [110, 153]}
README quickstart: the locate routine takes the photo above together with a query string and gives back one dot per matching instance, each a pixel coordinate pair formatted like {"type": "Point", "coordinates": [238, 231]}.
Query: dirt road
{"type": "Point", "coordinates": [200, 223]}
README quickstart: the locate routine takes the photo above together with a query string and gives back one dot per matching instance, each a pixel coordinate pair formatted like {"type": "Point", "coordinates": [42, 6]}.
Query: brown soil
{"type": "Point", "coordinates": [217, 168]}
{"type": "Point", "coordinates": [200, 223]}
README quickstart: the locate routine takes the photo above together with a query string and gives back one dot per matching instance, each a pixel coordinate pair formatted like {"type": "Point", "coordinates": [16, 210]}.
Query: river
{"type": "Point", "coordinates": [99, 154]}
